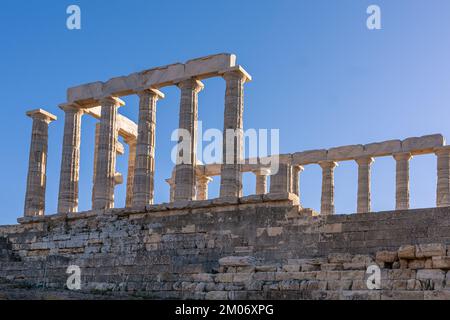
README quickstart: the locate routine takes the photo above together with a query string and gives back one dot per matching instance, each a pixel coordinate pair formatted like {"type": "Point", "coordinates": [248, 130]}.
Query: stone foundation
{"type": "Point", "coordinates": [257, 247]}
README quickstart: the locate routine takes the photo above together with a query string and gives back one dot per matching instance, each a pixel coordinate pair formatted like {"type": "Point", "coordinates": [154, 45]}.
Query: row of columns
{"type": "Point", "coordinates": [140, 179]}
{"type": "Point", "coordinates": [142, 168]}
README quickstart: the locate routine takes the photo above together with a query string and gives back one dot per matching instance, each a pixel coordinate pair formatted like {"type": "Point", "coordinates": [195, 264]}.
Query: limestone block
{"type": "Point", "coordinates": [224, 277]}
{"type": "Point", "coordinates": [441, 263]}
{"type": "Point", "coordinates": [307, 157]}
{"type": "Point", "coordinates": [209, 65]}
{"type": "Point", "coordinates": [291, 268]}
{"type": "Point", "coordinates": [379, 149]}
{"type": "Point", "coordinates": [437, 276]}
{"type": "Point", "coordinates": [345, 153]}
{"type": "Point", "coordinates": [162, 76]}
{"type": "Point", "coordinates": [339, 257]}
{"type": "Point", "coordinates": [407, 252]}
{"type": "Point", "coordinates": [386, 256]}
{"type": "Point", "coordinates": [430, 250]}
{"type": "Point", "coordinates": [416, 264]}
{"type": "Point", "coordinates": [424, 144]}
{"type": "Point", "coordinates": [331, 266]}
{"type": "Point", "coordinates": [124, 85]}
{"type": "Point", "coordinates": [237, 261]}
{"type": "Point", "coordinates": [85, 91]}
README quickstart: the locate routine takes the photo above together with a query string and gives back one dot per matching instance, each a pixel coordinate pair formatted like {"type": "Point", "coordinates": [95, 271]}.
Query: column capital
{"type": "Point", "coordinates": [236, 72]}
{"type": "Point", "coordinates": [204, 179]}
{"type": "Point", "coordinates": [111, 101]}
{"type": "Point", "coordinates": [41, 115]}
{"type": "Point", "coordinates": [328, 164]}
{"type": "Point", "coordinates": [71, 107]}
{"type": "Point", "coordinates": [402, 156]}
{"type": "Point", "coordinates": [442, 150]}
{"type": "Point", "coordinates": [365, 161]}
{"type": "Point", "coordinates": [261, 171]}
{"type": "Point", "coordinates": [298, 167]}
{"type": "Point", "coordinates": [156, 94]}
{"type": "Point", "coordinates": [190, 83]}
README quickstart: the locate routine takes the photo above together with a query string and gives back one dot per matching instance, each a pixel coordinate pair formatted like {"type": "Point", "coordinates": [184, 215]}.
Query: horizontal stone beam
{"type": "Point", "coordinates": [127, 128]}
{"type": "Point", "coordinates": [200, 68]}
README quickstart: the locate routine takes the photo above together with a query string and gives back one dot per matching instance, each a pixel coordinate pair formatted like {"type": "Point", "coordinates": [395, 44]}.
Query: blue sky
{"type": "Point", "coordinates": [320, 76]}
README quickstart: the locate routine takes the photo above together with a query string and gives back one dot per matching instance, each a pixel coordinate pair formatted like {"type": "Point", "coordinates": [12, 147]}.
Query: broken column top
{"type": "Point", "coordinates": [41, 113]}
{"type": "Point", "coordinates": [87, 95]}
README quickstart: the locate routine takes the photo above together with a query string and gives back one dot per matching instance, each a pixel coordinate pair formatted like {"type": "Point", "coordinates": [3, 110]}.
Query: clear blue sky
{"type": "Point", "coordinates": [320, 76]}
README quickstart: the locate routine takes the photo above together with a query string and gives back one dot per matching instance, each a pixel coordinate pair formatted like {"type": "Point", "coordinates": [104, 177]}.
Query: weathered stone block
{"type": "Point", "coordinates": [430, 250]}
{"type": "Point", "coordinates": [386, 256]}
{"type": "Point", "coordinates": [441, 263]}
{"type": "Point", "coordinates": [407, 252]}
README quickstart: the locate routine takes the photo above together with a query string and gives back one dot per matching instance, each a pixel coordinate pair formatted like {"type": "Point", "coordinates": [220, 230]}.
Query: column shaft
{"type": "Point", "coordinates": [261, 180]}
{"type": "Point", "coordinates": [231, 175]}
{"type": "Point", "coordinates": [327, 201]}
{"type": "Point", "coordinates": [281, 182]}
{"type": "Point", "coordinates": [70, 161]}
{"type": "Point", "coordinates": [202, 187]}
{"type": "Point", "coordinates": [130, 175]}
{"type": "Point", "coordinates": [364, 166]}
{"type": "Point", "coordinates": [106, 155]}
{"type": "Point", "coordinates": [402, 181]}
{"type": "Point", "coordinates": [187, 145]}
{"type": "Point", "coordinates": [443, 177]}
{"type": "Point", "coordinates": [37, 163]}
{"type": "Point", "coordinates": [143, 188]}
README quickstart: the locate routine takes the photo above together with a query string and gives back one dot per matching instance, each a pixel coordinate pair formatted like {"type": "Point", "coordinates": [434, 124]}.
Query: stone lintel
{"type": "Point", "coordinates": [239, 69]}
{"type": "Point", "coordinates": [200, 68]}
{"type": "Point", "coordinates": [42, 114]}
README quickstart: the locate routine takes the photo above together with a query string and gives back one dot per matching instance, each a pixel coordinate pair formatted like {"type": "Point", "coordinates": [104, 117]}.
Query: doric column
{"type": "Point", "coordinates": [202, 187]}
{"type": "Point", "coordinates": [402, 180]}
{"type": "Point", "coordinates": [231, 175]}
{"type": "Point", "coordinates": [131, 167]}
{"type": "Point", "coordinates": [70, 161]}
{"type": "Point", "coordinates": [143, 187]}
{"type": "Point", "coordinates": [187, 145]}
{"type": "Point", "coordinates": [443, 177]}
{"type": "Point", "coordinates": [296, 170]}
{"type": "Point", "coordinates": [37, 163]}
{"type": "Point", "coordinates": [364, 165]}
{"type": "Point", "coordinates": [327, 200]}
{"type": "Point", "coordinates": [96, 140]}
{"type": "Point", "coordinates": [106, 154]}
{"type": "Point", "coordinates": [281, 182]}
{"type": "Point", "coordinates": [261, 180]}
{"type": "Point", "coordinates": [171, 183]}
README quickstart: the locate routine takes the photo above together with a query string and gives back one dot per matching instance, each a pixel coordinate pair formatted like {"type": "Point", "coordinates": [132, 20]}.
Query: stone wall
{"type": "Point", "coordinates": [258, 247]}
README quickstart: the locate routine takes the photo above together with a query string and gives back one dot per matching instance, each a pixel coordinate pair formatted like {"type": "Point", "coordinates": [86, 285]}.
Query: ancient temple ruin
{"type": "Point", "coordinates": [264, 245]}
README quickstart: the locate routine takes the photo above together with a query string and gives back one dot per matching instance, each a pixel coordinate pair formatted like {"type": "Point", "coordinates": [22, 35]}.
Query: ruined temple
{"type": "Point", "coordinates": [261, 246]}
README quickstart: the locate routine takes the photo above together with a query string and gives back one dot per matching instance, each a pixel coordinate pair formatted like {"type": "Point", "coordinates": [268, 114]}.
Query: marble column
{"type": "Point", "coordinates": [364, 168]}
{"type": "Point", "coordinates": [130, 174]}
{"type": "Point", "coordinates": [97, 136]}
{"type": "Point", "coordinates": [231, 175]}
{"type": "Point", "coordinates": [296, 170]}
{"type": "Point", "coordinates": [261, 180]}
{"type": "Point", "coordinates": [171, 183]}
{"type": "Point", "coordinates": [443, 177]}
{"type": "Point", "coordinates": [37, 163]}
{"type": "Point", "coordinates": [185, 166]}
{"type": "Point", "coordinates": [105, 180]}
{"type": "Point", "coordinates": [327, 200]}
{"type": "Point", "coordinates": [402, 180]}
{"type": "Point", "coordinates": [70, 161]}
{"type": "Point", "coordinates": [202, 187]}
{"type": "Point", "coordinates": [144, 171]}
{"type": "Point", "coordinates": [281, 182]}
